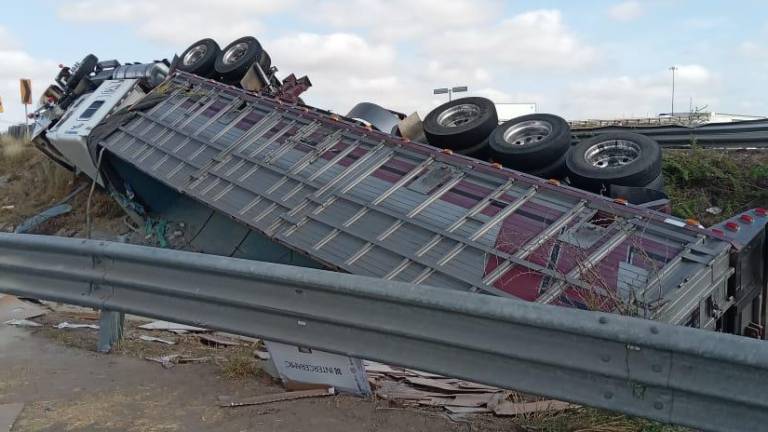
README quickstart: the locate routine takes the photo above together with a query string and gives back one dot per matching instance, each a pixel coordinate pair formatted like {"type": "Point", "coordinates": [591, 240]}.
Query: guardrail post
{"type": "Point", "coordinates": [110, 329]}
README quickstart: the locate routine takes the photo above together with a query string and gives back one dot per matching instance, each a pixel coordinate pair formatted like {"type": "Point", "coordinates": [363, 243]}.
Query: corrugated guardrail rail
{"type": "Point", "coordinates": [668, 373]}
{"type": "Point", "coordinates": [743, 134]}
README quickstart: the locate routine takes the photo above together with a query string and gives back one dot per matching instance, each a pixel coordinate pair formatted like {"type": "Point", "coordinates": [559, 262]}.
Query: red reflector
{"type": "Point", "coordinates": [761, 212]}
{"type": "Point", "coordinates": [746, 218]}
{"type": "Point", "coordinates": [717, 231]}
{"type": "Point", "coordinates": [733, 226]}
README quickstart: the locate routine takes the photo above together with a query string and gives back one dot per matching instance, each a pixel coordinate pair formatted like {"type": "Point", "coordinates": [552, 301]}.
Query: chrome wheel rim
{"type": "Point", "coordinates": [527, 132]}
{"type": "Point", "coordinates": [195, 54]}
{"type": "Point", "coordinates": [235, 53]}
{"type": "Point", "coordinates": [458, 115]}
{"type": "Point", "coordinates": [613, 153]}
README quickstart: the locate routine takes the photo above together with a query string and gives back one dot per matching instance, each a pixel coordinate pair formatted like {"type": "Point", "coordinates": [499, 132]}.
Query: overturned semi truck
{"type": "Point", "coordinates": [214, 139]}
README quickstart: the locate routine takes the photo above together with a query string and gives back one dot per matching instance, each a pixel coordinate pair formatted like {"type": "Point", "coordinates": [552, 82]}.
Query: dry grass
{"type": "Point", "coordinates": [240, 365]}
{"type": "Point", "coordinates": [34, 183]}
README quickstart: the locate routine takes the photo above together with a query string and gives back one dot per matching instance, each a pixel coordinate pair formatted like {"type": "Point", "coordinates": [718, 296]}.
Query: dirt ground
{"type": "Point", "coordinates": [66, 386]}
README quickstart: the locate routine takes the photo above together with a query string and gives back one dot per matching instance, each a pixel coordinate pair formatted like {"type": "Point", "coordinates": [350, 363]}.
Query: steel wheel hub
{"type": "Point", "coordinates": [458, 115]}
{"type": "Point", "coordinates": [194, 55]}
{"type": "Point", "coordinates": [527, 132]}
{"type": "Point", "coordinates": [235, 53]}
{"type": "Point", "coordinates": [614, 153]}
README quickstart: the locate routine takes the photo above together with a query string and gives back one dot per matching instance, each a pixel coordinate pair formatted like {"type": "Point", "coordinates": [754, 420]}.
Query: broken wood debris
{"type": "Point", "coordinates": [156, 339]}
{"type": "Point", "coordinates": [408, 387]}
{"type": "Point", "coordinates": [215, 340]}
{"type": "Point", "coordinates": [509, 408]}
{"type": "Point", "coordinates": [171, 360]}
{"type": "Point", "coordinates": [67, 325]}
{"type": "Point", "coordinates": [172, 327]}
{"type": "Point", "coordinates": [277, 397]}
{"type": "Point", "coordinates": [22, 323]}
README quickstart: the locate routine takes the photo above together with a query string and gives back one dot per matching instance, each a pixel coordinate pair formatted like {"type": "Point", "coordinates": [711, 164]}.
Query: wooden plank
{"type": "Point", "coordinates": [277, 397]}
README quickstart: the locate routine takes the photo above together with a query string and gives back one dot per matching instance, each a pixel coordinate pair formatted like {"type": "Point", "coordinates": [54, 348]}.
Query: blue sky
{"type": "Point", "coordinates": [581, 59]}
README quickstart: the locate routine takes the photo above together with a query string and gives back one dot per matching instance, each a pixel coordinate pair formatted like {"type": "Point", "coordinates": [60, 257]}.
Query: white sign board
{"type": "Point", "coordinates": [508, 111]}
{"type": "Point", "coordinates": [309, 366]}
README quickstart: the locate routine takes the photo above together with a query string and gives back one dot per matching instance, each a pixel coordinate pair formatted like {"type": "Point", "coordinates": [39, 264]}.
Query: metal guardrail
{"type": "Point", "coordinates": [744, 134]}
{"type": "Point", "coordinates": [645, 368]}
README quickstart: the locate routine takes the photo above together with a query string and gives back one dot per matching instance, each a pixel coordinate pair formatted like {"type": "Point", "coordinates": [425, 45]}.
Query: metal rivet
{"type": "Point", "coordinates": [658, 405]}
{"type": "Point", "coordinates": [608, 395]}
{"type": "Point", "coordinates": [655, 330]}
{"type": "Point", "coordinates": [605, 357]}
{"type": "Point", "coordinates": [656, 368]}
{"type": "Point", "coordinates": [603, 320]}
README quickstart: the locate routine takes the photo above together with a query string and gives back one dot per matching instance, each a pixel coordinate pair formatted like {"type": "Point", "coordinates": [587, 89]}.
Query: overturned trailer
{"type": "Point", "coordinates": [260, 176]}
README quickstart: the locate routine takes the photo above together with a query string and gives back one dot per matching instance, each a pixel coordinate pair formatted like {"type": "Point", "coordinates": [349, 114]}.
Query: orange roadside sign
{"type": "Point", "coordinates": [26, 91]}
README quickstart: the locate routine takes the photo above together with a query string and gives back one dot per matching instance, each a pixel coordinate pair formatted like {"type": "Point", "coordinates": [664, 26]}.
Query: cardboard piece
{"type": "Point", "coordinates": [12, 308]}
{"type": "Point", "coordinates": [165, 325]}
{"type": "Point", "coordinates": [306, 365]}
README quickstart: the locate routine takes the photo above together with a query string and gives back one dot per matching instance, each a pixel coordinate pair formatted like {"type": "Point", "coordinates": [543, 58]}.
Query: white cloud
{"type": "Point", "coordinates": [537, 40]}
{"type": "Point", "coordinates": [753, 50]}
{"type": "Point", "coordinates": [647, 95]}
{"type": "Point", "coordinates": [626, 11]}
{"type": "Point", "coordinates": [178, 22]}
{"type": "Point", "coordinates": [404, 19]}
{"type": "Point", "coordinates": [17, 64]}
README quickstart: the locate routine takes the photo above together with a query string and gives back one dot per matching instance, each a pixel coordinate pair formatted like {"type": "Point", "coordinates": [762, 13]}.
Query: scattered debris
{"type": "Point", "coordinates": [215, 340]}
{"type": "Point", "coordinates": [8, 207]}
{"type": "Point", "coordinates": [519, 408]}
{"type": "Point", "coordinates": [278, 397]}
{"type": "Point", "coordinates": [466, 410]}
{"type": "Point", "coordinates": [4, 180]}
{"type": "Point", "coordinates": [66, 325]}
{"type": "Point", "coordinates": [8, 415]}
{"type": "Point", "coordinates": [156, 339]}
{"type": "Point", "coordinates": [22, 323]}
{"type": "Point", "coordinates": [262, 355]}
{"type": "Point", "coordinates": [12, 307]}
{"type": "Point", "coordinates": [43, 216]}
{"type": "Point", "coordinates": [310, 366]}
{"type": "Point", "coordinates": [172, 327]}
{"type": "Point", "coordinates": [171, 360]}
{"type": "Point", "coordinates": [714, 210]}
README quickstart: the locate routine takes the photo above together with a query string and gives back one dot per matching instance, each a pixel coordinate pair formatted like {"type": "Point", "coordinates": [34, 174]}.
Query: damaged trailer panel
{"type": "Point", "coordinates": [365, 202]}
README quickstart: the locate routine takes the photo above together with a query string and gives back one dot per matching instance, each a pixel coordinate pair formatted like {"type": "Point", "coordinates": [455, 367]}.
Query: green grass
{"type": "Point", "coordinates": [698, 179]}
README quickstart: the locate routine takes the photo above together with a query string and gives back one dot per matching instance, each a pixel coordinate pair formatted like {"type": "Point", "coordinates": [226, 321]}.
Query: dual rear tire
{"type": "Point", "coordinates": [230, 64]}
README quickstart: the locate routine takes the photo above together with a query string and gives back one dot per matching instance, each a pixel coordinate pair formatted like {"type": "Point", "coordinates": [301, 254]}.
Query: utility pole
{"type": "Point", "coordinates": [673, 69]}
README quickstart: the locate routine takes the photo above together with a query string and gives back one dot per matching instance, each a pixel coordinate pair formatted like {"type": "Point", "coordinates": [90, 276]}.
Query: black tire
{"type": "Point", "coordinates": [554, 170]}
{"type": "Point", "coordinates": [446, 127]}
{"type": "Point", "coordinates": [234, 60]}
{"type": "Point", "coordinates": [531, 141]}
{"type": "Point", "coordinates": [626, 159]}
{"type": "Point", "coordinates": [194, 61]}
{"type": "Point", "coordinates": [87, 65]}
{"type": "Point", "coordinates": [479, 151]}
{"type": "Point", "coordinates": [657, 184]}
